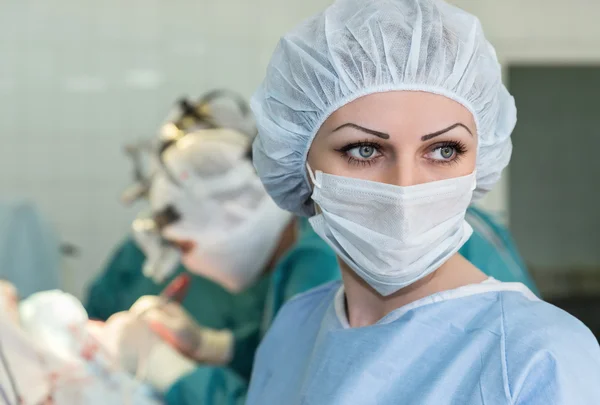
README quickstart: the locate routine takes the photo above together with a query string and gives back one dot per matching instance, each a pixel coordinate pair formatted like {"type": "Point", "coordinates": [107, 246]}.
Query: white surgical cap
{"type": "Point", "coordinates": [359, 47]}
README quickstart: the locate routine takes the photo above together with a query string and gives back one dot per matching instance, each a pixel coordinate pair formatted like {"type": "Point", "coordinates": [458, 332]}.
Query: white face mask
{"type": "Point", "coordinates": [238, 258]}
{"type": "Point", "coordinates": [392, 236]}
{"type": "Point", "coordinates": [162, 258]}
{"type": "Point", "coordinates": [223, 208]}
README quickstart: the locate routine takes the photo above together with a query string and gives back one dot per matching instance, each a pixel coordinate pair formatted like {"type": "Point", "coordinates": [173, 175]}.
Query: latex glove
{"type": "Point", "coordinates": [143, 354]}
{"type": "Point", "coordinates": [174, 325]}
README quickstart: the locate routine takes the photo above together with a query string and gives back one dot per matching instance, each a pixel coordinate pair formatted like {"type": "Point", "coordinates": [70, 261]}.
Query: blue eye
{"type": "Point", "coordinates": [362, 152]}
{"type": "Point", "coordinates": [446, 152]}
{"type": "Point", "coordinates": [443, 153]}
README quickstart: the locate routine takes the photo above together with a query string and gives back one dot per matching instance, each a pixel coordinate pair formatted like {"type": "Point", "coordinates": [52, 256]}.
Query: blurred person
{"type": "Point", "coordinates": [121, 282]}
{"type": "Point", "coordinates": [144, 264]}
{"type": "Point", "coordinates": [208, 205]}
{"type": "Point", "coordinates": [382, 121]}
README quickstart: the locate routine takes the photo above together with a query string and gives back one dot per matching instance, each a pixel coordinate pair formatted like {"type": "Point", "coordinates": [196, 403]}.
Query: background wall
{"type": "Point", "coordinates": [536, 32]}
{"type": "Point", "coordinates": [556, 158]}
{"type": "Point", "coordinates": [551, 54]}
{"type": "Point", "coordinates": [78, 79]}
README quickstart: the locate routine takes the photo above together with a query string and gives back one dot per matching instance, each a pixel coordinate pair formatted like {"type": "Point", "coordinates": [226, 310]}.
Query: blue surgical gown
{"type": "Point", "coordinates": [485, 344]}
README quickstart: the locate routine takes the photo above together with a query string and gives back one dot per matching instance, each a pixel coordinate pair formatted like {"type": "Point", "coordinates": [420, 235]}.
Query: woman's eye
{"type": "Point", "coordinates": [363, 152]}
{"type": "Point", "coordinates": [443, 153]}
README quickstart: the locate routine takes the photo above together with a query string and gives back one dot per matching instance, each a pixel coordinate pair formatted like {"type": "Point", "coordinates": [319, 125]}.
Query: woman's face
{"type": "Point", "coordinates": [402, 138]}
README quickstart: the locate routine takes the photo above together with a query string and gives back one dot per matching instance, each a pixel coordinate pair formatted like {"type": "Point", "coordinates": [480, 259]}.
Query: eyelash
{"type": "Point", "coordinates": [353, 161]}
{"type": "Point", "coordinates": [459, 148]}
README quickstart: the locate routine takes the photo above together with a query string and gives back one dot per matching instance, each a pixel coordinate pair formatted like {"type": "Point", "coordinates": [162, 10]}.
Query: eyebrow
{"type": "Point", "coordinates": [381, 135]}
{"type": "Point", "coordinates": [443, 131]}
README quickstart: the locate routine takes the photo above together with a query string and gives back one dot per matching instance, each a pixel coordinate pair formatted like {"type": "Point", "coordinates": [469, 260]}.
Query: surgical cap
{"type": "Point", "coordinates": [359, 47]}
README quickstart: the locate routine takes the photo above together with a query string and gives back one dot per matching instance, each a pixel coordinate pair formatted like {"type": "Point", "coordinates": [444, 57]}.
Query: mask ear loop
{"type": "Point", "coordinates": [474, 186]}
{"type": "Point", "coordinates": [312, 176]}
{"type": "Point", "coordinates": [316, 183]}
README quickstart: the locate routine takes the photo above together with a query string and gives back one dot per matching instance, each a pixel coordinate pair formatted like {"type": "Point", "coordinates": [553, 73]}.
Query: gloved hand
{"type": "Point", "coordinates": [175, 326]}
{"type": "Point", "coordinates": [144, 354]}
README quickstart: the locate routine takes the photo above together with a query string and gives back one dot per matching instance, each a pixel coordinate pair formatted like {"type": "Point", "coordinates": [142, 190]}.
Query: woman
{"type": "Point", "coordinates": [382, 120]}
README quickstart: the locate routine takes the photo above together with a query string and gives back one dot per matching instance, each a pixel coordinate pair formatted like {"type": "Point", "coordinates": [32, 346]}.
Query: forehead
{"type": "Point", "coordinates": [404, 111]}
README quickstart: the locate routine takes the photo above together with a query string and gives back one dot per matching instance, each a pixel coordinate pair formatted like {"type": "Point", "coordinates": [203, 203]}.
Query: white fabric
{"type": "Point", "coordinates": [203, 344]}
{"type": "Point", "coordinates": [226, 115]}
{"type": "Point", "coordinates": [58, 321]}
{"type": "Point", "coordinates": [201, 158]}
{"type": "Point", "coordinates": [392, 236]}
{"type": "Point", "coordinates": [223, 206]}
{"type": "Point", "coordinates": [40, 367]}
{"type": "Point", "coordinates": [359, 47]}
{"type": "Point", "coordinates": [162, 258]}
{"type": "Point", "coordinates": [22, 361]}
{"type": "Point", "coordinates": [216, 346]}
{"type": "Point", "coordinates": [164, 366]}
{"type": "Point", "coordinates": [237, 260]}
{"type": "Point", "coordinates": [142, 353]}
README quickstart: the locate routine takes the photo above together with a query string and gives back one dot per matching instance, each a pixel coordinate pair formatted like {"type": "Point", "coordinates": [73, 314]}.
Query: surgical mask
{"type": "Point", "coordinates": [162, 258]}
{"type": "Point", "coordinates": [223, 208]}
{"type": "Point", "coordinates": [236, 257]}
{"type": "Point", "coordinates": [392, 236]}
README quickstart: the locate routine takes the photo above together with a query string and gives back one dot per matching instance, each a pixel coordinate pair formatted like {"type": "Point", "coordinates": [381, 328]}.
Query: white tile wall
{"type": "Point", "coordinates": [79, 78]}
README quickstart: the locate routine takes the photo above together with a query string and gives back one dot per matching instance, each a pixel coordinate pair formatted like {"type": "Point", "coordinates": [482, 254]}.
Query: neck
{"type": "Point", "coordinates": [286, 241]}
{"type": "Point", "coordinates": [365, 306]}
